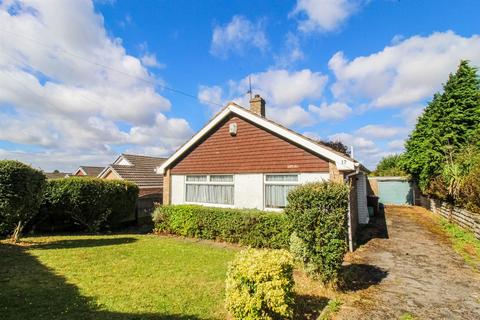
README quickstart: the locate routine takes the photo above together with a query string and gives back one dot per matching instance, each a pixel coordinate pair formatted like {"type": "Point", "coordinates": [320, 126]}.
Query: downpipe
{"type": "Point", "coordinates": [349, 213]}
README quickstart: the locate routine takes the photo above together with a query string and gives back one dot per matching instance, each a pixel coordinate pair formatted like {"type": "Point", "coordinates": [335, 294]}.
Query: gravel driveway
{"type": "Point", "coordinates": [414, 271]}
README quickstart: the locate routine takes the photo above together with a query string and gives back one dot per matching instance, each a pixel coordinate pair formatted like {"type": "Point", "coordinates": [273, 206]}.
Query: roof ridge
{"type": "Point", "coordinates": [297, 133]}
{"type": "Point", "coordinates": [141, 155]}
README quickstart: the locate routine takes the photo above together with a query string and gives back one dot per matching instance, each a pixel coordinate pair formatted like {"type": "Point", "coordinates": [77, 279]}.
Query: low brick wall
{"type": "Point", "coordinates": [464, 218]}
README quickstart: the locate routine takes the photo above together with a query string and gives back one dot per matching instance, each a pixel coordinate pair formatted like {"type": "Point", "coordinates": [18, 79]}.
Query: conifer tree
{"type": "Point", "coordinates": [451, 120]}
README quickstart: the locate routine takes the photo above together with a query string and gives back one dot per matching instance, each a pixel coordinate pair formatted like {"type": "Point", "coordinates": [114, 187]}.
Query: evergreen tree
{"type": "Point", "coordinates": [389, 166]}
{"type": "Point", "coordinates": [450, 121]}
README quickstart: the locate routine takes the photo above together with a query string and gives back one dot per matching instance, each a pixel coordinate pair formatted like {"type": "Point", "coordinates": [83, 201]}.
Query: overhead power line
{"type": "Point", "coordinates": [74, 55]}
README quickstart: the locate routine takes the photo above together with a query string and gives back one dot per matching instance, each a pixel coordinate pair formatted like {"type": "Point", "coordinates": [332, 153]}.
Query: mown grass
{"type": "Point", "coordinates": [112, 277]}
{"type": "Point", "coordinates": [464, 242]}
{"type": "Point", "coordinates": [123, 277]}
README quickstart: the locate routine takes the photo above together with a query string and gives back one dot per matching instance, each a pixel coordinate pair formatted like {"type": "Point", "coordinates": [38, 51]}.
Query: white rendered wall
{"type": "Point", "coordinates": [313, 177]}
{"type": "Point", "coordinates": [177, 191]}
{"type": "Point", "coordinates": [248, 191]}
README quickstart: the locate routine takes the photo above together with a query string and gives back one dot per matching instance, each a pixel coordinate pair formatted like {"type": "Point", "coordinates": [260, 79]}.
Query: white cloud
{"type": "Point", "coordinates": [404, 73]}
{"type": "Point", "coordinates": [150, 60]}
{"type": "Point", "coordinates": [396, 145]}
{"type": "Point", "coordinates": [211, 96]}
{"type": "Point", "coordinates": [324, 15]}
{"type": "Point", "coordinates": [291, 116]}
{"type": "Point", "coordinates": [291, 53]}
{"type": "Point", "coordinates": [238, 34]}
{"type": "Point", "coordinates": [411, 114]}
{"type": "Point", "coordinates": [282, 88]}
{"type": "Point", "coordinates": [172, 131]}
{"type": "Point", "coordinates": [63, 161]}
{"type": "Point", "coordinates": [283, 91]}
{"type": "Point", "coordinates": [364, 150]}
{"type": "Point", "coordinates": [70, 86]}
{"type": "Point", "coordinates": [381, 131]}
{"type": "Point", "coordinates": [334, 111]}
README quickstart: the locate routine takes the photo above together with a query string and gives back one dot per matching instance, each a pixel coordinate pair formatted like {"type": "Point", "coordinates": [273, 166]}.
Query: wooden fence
{"type": "Point", "coordinates": [464, 218]}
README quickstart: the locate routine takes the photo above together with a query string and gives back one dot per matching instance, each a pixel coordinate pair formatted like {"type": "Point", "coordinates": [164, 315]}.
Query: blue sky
{"type": "Point", "coordinates": [83, 81]}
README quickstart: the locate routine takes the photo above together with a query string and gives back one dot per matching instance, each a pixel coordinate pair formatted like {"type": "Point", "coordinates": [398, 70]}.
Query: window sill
{"type": "Point", "coordinates": [217, 205]}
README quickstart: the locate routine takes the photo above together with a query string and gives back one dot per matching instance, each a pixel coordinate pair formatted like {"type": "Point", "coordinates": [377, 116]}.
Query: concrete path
{"type": "Point", "coordinates": [414, 272]}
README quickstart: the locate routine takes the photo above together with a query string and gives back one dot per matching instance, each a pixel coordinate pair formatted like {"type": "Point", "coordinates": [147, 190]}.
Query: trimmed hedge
{"type": "Point", "coordinates": [21, 192]}
{"type": "Point", "coordinates": [260, 285]}
{"type": "Point", "coordinates": [318, 213]}
{"type": "Point", "coordinates": [253, 228]}
{"type": "Point", "coordinates": [91, 202]}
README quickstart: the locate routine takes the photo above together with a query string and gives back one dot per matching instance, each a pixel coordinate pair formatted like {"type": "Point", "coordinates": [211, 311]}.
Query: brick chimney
{"type": "Point", "coordinates": [257, 105]}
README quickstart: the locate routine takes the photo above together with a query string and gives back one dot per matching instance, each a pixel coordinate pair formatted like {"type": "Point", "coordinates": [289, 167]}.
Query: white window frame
{"type": "Point", "coordinates": [209, 182]}
{"type": "Point", "coordinates": [281, 183]}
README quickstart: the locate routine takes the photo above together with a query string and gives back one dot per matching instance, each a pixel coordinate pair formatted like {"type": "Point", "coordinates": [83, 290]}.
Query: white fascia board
{"type": "Point", "coordinates": [342, 163]}
{"type": "Point", "coordinates": [80, 170]}
{"type": "Point", "coordinates": [121, 159]}
{"type": "Point", "coordinates": [104, 172]}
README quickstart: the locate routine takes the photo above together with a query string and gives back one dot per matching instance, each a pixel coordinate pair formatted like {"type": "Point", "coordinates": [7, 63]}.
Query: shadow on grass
{"type": "Point", "coordinates": [309, 307]}
{"type": "Point", "coordinates": [84, 243]}
{"type": "Point", "coordinates": [361, 276]}
{"type": "Point", "coordinates": [30, 290]}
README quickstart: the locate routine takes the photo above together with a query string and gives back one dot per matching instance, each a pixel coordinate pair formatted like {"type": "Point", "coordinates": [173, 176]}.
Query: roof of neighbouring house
{"type": "Point", "coordinates": [136, 168]}
{"type": "Point", "coordinates": [342, 161]}
{"type": "Point", "coordinates": [56, 175]}
{"type": "Point", "coordinates": [89, 170]}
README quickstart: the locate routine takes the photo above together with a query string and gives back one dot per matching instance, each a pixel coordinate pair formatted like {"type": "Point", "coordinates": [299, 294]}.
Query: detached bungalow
{"type": "Point", "coordinates": [141, 171]}
{"type": "Point", "coordinates": [88, 171]}
{"type": "Point", "coordinates": [240, 159]}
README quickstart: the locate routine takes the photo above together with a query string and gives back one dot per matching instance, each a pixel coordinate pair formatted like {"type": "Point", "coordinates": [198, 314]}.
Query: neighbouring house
{"type": "Point", "coordinates": [141, 171]}
{"type": "Point", "coordinates": [56, 175]}
{"type": "Point", "coordinates": [240, 159]}
{"type": "Point", "coordinates": [88, 171]}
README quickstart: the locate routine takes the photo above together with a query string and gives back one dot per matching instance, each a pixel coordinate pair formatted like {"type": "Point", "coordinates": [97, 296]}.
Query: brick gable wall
{"type": "Point", "coordinates": [252, 150]}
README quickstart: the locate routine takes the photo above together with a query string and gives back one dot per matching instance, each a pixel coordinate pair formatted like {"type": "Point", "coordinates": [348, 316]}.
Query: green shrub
{"type": "Point", "coordinates": [390, 166]}
{"type": "Point", "coordinates": [459, 181]}
{"type": "Point", "coordinates": [247, 227]}
{"type": "Point", "coordinates": [21, 192]}
{"type": "Point", "coordinates": [90, 202]}
{"type": "Point", "coordinates": [318, 214]}
{"type": "Point", "coordinates": [260, 284]}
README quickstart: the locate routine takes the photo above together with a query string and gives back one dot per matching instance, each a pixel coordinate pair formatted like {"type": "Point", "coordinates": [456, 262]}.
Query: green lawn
{"type": "Point", "coordinates": [112, 277]}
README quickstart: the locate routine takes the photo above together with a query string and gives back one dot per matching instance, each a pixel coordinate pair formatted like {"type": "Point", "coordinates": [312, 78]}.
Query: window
{"type": "Point", "coordinates": [215, 189]}
{"type": "Point", "coordinates": [277, 187]}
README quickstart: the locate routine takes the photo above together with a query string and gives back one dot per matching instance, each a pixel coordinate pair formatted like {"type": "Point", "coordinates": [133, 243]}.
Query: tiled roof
{"type": "Point", "coordinates": [232, 106]}
{"type": "Point", "coordinates": [56, 175]}
{"type": "Point", "coordinates": [142, 170]}
{"type": "Point", "coordinates": [92, 171]}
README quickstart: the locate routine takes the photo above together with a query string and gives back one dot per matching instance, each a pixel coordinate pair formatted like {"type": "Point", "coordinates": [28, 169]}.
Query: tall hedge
{"type": "Point", "coordinates": [318, 214]}
{"type": "Point", "coordinates": [21, 193]}
{"type": "Point", "coordinates": [254, 228]}
{"type": "Point", "coordinates": [90, 202]}
{"type": "Point", "coordinates": [449, 122]}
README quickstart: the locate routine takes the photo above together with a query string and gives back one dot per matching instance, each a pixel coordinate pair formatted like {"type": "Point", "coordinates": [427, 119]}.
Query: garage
{"type": "Point", "coordinates": [393, 190]}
